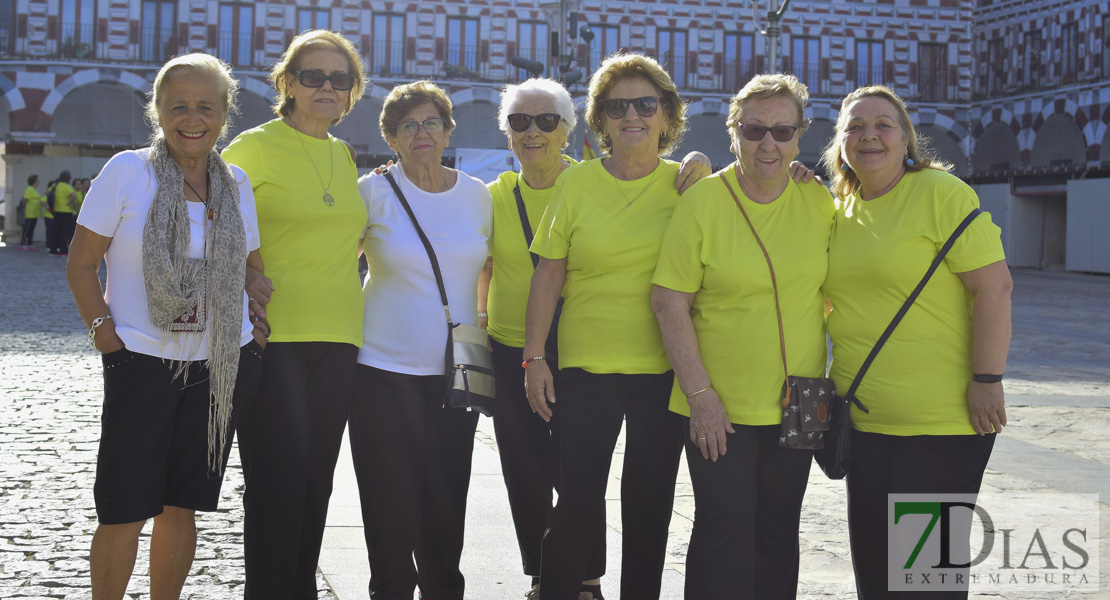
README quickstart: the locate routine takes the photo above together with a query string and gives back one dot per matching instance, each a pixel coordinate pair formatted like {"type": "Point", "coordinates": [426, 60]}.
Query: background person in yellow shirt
{"type": "Point", "coordinates": [32, 210]}
{"type": "Point", "coordinates": [310, 217]}
{"type": "Point", "coordinates": [65, 215]}
{"type": "Point", "coordinates": [536, 116]}
{"type": "Point", "coordinates": [934, 392]}
{"type": "Point", "coordinates": [713, 287]}
{"type": "Point", "coordinates": [600, 236]}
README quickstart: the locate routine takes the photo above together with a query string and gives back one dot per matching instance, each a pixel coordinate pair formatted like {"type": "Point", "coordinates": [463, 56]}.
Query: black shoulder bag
{"type": "Point", "coordinates": [836, 456]}
{"type": "Point", "coordinates": [467, 362]}
{"type": "Point", "coordinates": [551, 348]}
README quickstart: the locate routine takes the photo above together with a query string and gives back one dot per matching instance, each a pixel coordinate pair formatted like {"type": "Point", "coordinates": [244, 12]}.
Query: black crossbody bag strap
{"type": "Point", "coordinates": [448, 359]}
{"type": "Point", "coordinates": [524, 223]}
{"type": "Point", "coordinates": [906, 307]}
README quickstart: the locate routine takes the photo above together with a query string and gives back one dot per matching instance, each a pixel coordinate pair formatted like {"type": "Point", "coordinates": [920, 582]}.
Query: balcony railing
{"type": "Point", "coordinates": [235, 48]}
{"type": "Point", "coordinates": [157, 44]}
{"type": "Point", "coordinates": [868, 76]}
{"type": "Point", "coordinates": [462, 60]}
{"type": "Point", "coordinates": [387, 58]}
{"type": "Point", "coordinates": [738, 73]}
{"type": "Point", "coordinates": [76, 41]}
{"type": "Point", "coordinates": [810, 75]}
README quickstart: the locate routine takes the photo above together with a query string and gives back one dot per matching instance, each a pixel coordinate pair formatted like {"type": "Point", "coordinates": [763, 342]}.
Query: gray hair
{"type": "Point", "coordinates": [195, 63]}
{"type": "Point", "coordinates": [541, 85]}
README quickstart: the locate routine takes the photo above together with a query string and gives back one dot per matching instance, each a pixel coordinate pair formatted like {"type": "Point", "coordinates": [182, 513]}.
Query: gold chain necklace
{"type": "Point", "coordinates": [327, 197]}
{"type": "Point", "coordinates": [620, 188]}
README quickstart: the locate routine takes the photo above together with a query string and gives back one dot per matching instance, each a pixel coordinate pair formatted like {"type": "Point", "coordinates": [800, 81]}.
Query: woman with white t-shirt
{"type": "Point", "coordinates": [176, 226]}
{"type": "Point", "coordinates": [411, 455]}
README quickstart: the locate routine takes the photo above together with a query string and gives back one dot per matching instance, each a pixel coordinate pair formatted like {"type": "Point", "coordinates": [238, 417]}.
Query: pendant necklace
{"type": "Point", "coordinates": [327, 197]}
{"type": "Point", "coordinates": [629, 201]}
{"type": "Point", "coordinates": [203, 200]}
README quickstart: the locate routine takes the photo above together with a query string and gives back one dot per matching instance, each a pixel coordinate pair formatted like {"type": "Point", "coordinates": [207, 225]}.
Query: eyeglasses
{"type": "Point", "coordinates": [781, 133]}
{"type": "Point", "coordinates": [616, 108]}
{"type": "Point", "coordinates": [340, 82]}
{"type": "Point", "coordinates": [547, 122]}
{"type": "Point", "coordinates": [431, 126]}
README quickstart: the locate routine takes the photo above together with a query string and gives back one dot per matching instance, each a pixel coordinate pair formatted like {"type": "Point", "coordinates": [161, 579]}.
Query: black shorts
{"type": "Point", "coordinates": [154, 435]}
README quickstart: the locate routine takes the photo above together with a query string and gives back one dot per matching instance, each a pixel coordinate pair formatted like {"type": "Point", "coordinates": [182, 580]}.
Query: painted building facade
{"type": "Point", "coordinates": [1010, 91]}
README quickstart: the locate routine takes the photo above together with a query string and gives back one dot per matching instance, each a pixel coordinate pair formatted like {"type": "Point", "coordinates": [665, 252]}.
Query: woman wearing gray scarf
{"type": "Point", "coordinates": [176, 226]}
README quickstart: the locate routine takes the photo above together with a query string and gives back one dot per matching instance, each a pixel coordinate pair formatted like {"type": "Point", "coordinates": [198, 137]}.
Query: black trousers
{"type": "Point", "coordinates": [412, 462]}
{"type": "Point", "coordinates": [64, 225]}
{"type": "Point", "coordinates": [51, 235]}
{"type": "Point", "coordinates": [528, 447]}
{"type": "Point", "coordinates": [747, 508]}
{"type": "Point", "coordinates": [890, 464]}
{"type": "Point", "coordinates": [28, 232]}
{"type": "Point", "coordinates": [289, 443]}
{"type": "Point", "coordinates": [592, 408]}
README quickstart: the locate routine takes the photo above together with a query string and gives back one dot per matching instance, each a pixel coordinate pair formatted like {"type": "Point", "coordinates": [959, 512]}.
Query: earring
{"type": "Point", "coordinates": [909, 161]}
{"type": "Point", "coordinates": [844, 167]}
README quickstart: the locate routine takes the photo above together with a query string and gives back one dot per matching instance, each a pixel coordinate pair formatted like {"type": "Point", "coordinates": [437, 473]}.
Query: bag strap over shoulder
{"type": "Point", "coordinates": [427, 244]}
{"type": "Point", "coordinates": [906, 306]}
{"type": "Point", "coordinates": [774, 282]}
{"type": "Point", "coordinates": [524, 222]}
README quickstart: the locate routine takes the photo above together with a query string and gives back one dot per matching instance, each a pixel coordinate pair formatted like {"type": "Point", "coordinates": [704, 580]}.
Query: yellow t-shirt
{"type": "Point", "coordinates": [32, 209]}
{"type": "Point", "coordinates": [879, 251]}
{"type": "Point", "coordinates": [63, 196]}
{"type": "Point", "coordinates": [512, 263]}
{"type": "Point", "coordinates": [609, 231]}
{"type": "Point", "coordinates": [309, 248]}
{"type": "Point", "coordinates": [709, 250]}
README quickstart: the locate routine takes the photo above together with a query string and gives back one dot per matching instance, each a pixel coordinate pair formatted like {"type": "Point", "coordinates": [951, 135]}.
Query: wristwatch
{"type": "Point", "coordinates": [986, 378]}
{"type": "Point", "coordinates": [97, 322]}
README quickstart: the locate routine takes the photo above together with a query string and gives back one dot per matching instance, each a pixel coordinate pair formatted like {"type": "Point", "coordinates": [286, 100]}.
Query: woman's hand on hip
{"type": "Point", "coordinates": [539, 385]}
{"type": "Point", "coordinates": [987, 402]}
{"type": "Point", "coordinates": [709, 423]}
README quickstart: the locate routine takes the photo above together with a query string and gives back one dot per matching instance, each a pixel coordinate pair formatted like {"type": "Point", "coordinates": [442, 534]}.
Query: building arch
{"type": "Point", "coordinates": [998, 149]}
{"type": "Point", "coordinates": [360, 128]}
{"type": "Point", "coordinates": [119, 112]}
{"type": "Point", "coordinates": [125, 79]}
{"type": "Point", "coordinates": [817, 137]}
{"type": "Point", "coordinates": [1104, 149]}
{"type": "Point", "coordinates": [1060, 143]}
{"type": "Point", "coordinates": [946, 146]}
{"type": "Point", "coordinates": [254, 110]}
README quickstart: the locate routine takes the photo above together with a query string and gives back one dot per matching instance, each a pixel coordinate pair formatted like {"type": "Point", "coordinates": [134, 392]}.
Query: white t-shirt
{"type": "Point", "coordinates": [117, 206]}
{"type": "Point", "coordinates": [404, 326]}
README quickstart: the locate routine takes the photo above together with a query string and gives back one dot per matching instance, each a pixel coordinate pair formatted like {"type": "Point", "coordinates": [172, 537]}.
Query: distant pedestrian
{"type": "Point", "coordinates": [176, 226]}
{"type": "Point", "coordinates": [63, 202]}
{"type": "Point", "coordinates": [48, 218]}
{"type": "Point", "coordinates": [32, 210]}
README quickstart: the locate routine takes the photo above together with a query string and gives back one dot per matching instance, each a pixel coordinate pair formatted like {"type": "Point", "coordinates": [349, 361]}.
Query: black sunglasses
{"type": "Point", "coordinates": [340, 82]}
{"type": "Point", "coordinates": [547, 122]}
{"type": "Point", "coordinates": [616, 108]}
{"type": "Point", "coordinates": [781, 133]}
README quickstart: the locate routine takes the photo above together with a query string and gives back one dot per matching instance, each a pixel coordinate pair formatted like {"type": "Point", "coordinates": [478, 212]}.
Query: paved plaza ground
{"type": "Point", "coordinates": [1058, 398]}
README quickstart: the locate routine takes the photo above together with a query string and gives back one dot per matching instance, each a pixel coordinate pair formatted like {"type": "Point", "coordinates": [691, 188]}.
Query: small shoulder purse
{"type": "Point", "coordinates": [467, 362]}
{"type": "Point", "coordinates": [806, 400]}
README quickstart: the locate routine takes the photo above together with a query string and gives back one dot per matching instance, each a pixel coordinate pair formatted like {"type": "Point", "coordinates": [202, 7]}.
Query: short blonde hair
{"type": "Point", "coordinates": [404, 98]}
{"type": "Point", "coordinates": [631, 66]}
{"type": "Point", "coordinates": [844, 179]}
{"type": "Point", "coordinates": [762, 87]}
{"type": "Point", "coordinates": [282, 73]}
{"type": "Point", "coordinates": [201, 63]}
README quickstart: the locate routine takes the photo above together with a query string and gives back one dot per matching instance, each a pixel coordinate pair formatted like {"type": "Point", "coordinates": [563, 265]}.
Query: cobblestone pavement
{"type": "Point", "coordinates": [1058, 390]}
{"type": "Point", "coordinates": [50, 395]}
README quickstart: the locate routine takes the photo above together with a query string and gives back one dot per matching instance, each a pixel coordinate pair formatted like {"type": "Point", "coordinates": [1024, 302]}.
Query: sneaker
{"type": "Point", "coordinates": [586, 596]}
{"type": "Point", "coordinates": [32, 248]}
{"type": "Point", "coordinates": [533, 594]}
{"type": "Point", "coordinates": [62, 254]}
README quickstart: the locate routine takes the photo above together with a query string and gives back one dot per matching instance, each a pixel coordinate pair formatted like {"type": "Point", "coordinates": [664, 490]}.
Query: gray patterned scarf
{"type": "Point", "coordinates": [174, 283]}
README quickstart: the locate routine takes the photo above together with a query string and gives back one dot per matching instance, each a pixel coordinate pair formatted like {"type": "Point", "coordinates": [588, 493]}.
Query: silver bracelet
{"type": "Point", "coordinates": [97, 322]}
{"type": "Point", "coordinates": [483, 315]}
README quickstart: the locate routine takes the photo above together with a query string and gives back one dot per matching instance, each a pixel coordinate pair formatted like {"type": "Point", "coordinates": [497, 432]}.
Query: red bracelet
{"type": "Point", "coordinates": [528, 360]}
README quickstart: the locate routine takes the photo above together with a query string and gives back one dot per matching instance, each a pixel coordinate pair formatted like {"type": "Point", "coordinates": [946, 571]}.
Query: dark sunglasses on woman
{"type": "Point", "coordinates": [616, 108]}
{"type": "Point", "coordinates": [340, 82]}
{"type": "Point", "coordinates": [547, 122]}
{"type": "Point", "coordinates": [781, 133]}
